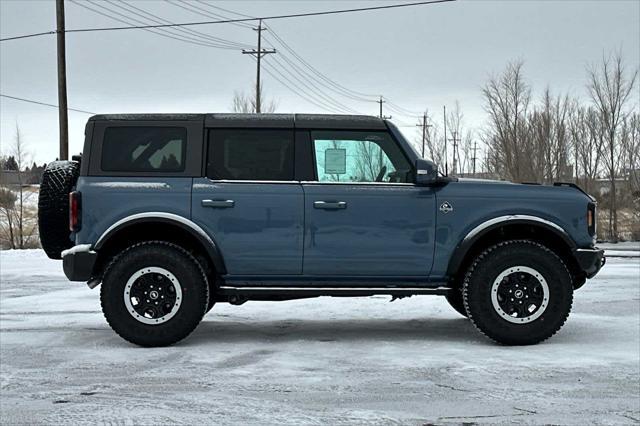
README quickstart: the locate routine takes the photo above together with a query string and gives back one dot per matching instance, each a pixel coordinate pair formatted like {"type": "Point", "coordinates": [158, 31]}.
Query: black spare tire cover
{"type": "Point", "coordinates": [58, 181]}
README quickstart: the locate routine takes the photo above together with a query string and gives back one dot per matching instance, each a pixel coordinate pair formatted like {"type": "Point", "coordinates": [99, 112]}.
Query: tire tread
{"type": "Point", "coordinates": [486, 253]}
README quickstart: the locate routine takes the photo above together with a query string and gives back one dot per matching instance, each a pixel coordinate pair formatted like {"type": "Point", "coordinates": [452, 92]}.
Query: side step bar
{"type": "Point", "coordinates": [247, 292]}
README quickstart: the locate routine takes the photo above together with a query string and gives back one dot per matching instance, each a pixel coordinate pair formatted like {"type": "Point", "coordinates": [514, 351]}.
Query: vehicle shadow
{"type": "Point", "coordinates": [433, 329]}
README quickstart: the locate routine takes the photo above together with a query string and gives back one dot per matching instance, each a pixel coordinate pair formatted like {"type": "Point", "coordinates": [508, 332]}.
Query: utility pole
{"type": "Point", "coordinates": [384, 117]}
{"type": "Point", "coordinates": [63, 121]}
{"type": "Point", "coordinates": [258, 53]}
{"type": "Point", "coordinates": [446, 159]}
{"type": "Point", "coordinates": [455, 141]}
{"type": "Point", "coordinates": [475, 147]}
{"type": "Point", "coordinates": [425, 130]}
{"type": "Point", "coordinates": [486, 161]}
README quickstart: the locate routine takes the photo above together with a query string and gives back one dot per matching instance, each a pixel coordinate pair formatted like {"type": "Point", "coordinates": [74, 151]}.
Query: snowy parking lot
{"type": "Point", "coordinates": [317, 361]}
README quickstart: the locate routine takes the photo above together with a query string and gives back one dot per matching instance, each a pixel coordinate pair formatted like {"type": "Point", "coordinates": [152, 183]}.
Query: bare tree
{"type": "Point", "coordinates": [370, 161]}
{"type": "Point", "coordinates": [587, 140]}
{"type": "Point", "coordinates": [246, 103]}
{"type": "Point", "coordinates": [548, 146]}
{"type": "Point", "coordinates": [18, 224]}
{"type": "Point", "coordinates": [455, 123]}
{"type": "Point", "coordinates": [507, 98]}
{"type": "Point", "coordinates": [610, 87]}
{"type": "Point", "coordinates": [631, 150]}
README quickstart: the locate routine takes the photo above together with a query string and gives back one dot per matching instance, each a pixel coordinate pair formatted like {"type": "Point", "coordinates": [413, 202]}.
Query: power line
{"type": "Point", "coordinates": [296, 72]}
{"type": "Point", "coordinates": [315, 91]}
{"type": "Point", "coordinates": [206, 13]}
{"type": "Point", "coordinates": [288, 85]}
{"type": "Point", "coordinates": [224, 10]}
{"type": "Point", "coordinates": [161, 32]}
{"type": "Point", "coordinates": [298, 90]}
{"type": "Point", "coordinates": [28, 35]}
{"type": "Point", "coordinates": [317, 76]}
{"type": "Point", "coordinates": [158, 19]}
{"type": "Point", "coordinates": [229, 21]}
{"type": "Point", "coordinates": [310, 82]}
{"type": "Point", "coordinates": [44, 104]}
{"type": "Point", "coordinates": [404, 111]}
{"type": "Point", "coordinates": [329, 83]}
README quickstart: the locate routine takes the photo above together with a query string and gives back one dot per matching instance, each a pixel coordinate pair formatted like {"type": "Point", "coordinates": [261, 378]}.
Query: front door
{"type": "Point", "coordinates": [363, 215]}
{"type": "Point", "coordinates": [249, 203]}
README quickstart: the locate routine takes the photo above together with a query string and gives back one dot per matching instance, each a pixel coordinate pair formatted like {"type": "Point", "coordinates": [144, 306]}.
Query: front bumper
{"type": "Point", "coordinates": [78, 262]}
{"type": "Point", "coordinates": [590, 260]}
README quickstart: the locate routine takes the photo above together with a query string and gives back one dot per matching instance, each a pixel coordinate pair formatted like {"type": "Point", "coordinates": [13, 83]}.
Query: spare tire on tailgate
{"type": "Point", "coordinates": [58, 181]}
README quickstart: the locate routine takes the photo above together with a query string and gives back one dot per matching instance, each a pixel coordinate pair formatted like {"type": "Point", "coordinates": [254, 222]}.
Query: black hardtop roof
{"type": "Point", "coordinates": [318, 121]}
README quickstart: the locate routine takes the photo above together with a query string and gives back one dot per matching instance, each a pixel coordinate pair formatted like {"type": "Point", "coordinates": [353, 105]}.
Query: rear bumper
{"type": "Point", "coordinates": [78, 262]}
{"type": "Point", "coordinates": [590, 260]}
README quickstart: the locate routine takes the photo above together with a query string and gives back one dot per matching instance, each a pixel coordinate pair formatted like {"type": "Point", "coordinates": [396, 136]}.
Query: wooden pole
{"type": "Point", "coordinates": [62, 82]}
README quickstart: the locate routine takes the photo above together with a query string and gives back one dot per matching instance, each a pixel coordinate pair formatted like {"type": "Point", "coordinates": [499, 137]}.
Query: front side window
{"type": "Point", "coordinates": [254, 154]}
{"type": "Point", "coordinates": [144, 149]}
{"type": "Point", "coordinates": [359, 157]}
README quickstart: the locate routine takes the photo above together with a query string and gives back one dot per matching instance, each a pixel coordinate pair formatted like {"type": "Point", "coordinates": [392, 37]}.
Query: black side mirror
{"type": "Point", "coordinates": [426, 172]}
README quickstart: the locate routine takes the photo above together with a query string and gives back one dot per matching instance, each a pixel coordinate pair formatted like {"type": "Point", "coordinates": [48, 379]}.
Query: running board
{"type": "Point", "coordinates": [247, 292]}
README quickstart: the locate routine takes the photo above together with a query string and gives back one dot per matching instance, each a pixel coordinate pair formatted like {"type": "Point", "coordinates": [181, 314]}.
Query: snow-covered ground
{"type": "Point", "coordinates": [317, 361]}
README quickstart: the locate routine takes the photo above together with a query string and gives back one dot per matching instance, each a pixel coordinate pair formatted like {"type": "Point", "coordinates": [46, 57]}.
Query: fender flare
{"type": "Point", "coordinates": [162, 217]}
{"type": "Point", "coordinates": [463, 247]}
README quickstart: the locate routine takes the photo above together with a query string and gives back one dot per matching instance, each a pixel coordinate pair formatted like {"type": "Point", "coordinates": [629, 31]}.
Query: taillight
{"type": "Point", "coordinates": [591, 219]}
{"type": "Point", "coordinates": [74, 211]}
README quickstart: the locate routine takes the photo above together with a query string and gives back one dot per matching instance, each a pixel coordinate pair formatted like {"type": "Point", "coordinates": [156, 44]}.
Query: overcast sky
{"type": "Point", "coordinates": [417, 57]}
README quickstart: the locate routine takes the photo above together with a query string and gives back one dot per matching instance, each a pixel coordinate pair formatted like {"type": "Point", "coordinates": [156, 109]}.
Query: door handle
{"type": "Point", "coordinates": [330, 205]}
{"type": "Point", "coordinates": [218, 204]}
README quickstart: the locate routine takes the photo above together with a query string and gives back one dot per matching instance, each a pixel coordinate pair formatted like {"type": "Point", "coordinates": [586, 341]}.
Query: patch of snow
{"type": "Point", "coordinates": [132, 185]}
{"type": "Point", "coordinates": [623, 249]}
{"type": "Point", "coordinates": [76, 249]}
{"type": "Point", "coordinates": [204, 186]}
{"type": "Point", "coordinates": [314, 361]}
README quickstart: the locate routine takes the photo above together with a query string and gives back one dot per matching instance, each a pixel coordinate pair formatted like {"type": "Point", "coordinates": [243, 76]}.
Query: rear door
{"type": "Point", "coordinates": [249, 202]}
{"type": "Point", "coordinates": [364, 215]}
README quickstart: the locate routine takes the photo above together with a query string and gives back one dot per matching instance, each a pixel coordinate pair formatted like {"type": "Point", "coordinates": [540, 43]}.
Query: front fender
{"type": "Point", "coordinates": [478, 232]}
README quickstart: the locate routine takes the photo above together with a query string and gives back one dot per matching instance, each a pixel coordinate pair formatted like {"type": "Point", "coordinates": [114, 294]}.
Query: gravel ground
{"type": "Point", "coordinates": [318, 361]}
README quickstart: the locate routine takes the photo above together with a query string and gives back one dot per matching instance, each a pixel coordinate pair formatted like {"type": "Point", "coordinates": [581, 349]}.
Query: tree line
{"type": "Point", "coordinates": [557, 137]}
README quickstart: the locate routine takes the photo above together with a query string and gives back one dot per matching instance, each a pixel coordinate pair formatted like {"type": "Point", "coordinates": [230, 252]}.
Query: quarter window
{"type": "Point", "coordinates": [144, 149]}
{"type": "Point", "coordinates": [260, 154]}
{"type": "Point", "coordinates": [358, 157]}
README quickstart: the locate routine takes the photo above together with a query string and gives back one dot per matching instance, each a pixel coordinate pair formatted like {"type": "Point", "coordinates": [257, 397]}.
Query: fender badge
{"type": "Point", "coordinates": [446, 207]}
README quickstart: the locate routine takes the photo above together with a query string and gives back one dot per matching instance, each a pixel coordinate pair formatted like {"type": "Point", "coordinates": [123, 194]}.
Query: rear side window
{"type": "Point", "coordinates": [144, 149]}
{"type": "Point", "coordinates": [254, 154]}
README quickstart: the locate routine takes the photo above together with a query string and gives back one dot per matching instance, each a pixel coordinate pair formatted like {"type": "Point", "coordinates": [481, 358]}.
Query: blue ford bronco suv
{"type": "Point", "coordinates": [174, 213]}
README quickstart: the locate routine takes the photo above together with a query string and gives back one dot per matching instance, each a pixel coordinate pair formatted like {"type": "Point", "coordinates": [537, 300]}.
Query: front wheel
{"type": "Point", "coordinates": [154, 294]}
{"type": "Point", "coordinates": [518, 292]}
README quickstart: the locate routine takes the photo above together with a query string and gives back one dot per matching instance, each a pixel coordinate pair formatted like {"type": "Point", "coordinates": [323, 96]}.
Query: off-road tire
{"type": "Point", "coordinates": [456, 301]}
{"type": "Point", "coordinates": [192, 281]}
{"type": "Point", "coordinates": [486, 268]}
{"type": "Point", "coordinates": [58, 181]}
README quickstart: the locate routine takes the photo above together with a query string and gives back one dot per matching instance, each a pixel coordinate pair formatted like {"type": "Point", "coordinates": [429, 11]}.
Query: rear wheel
{"type": "Point", "coordinates": [518, 292]}
{"type": "Point", "coordinates": [154, 294]}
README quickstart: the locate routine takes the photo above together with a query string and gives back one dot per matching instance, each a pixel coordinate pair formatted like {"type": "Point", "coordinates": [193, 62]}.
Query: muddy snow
{"type": "Point", "coordinates": [317, 361]}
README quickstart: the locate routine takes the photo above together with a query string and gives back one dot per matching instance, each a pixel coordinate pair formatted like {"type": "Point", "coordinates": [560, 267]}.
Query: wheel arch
{"type": "Point", "coordinates": [144, 226]}
{"type": "Point", "coordinates": [512, 227]}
